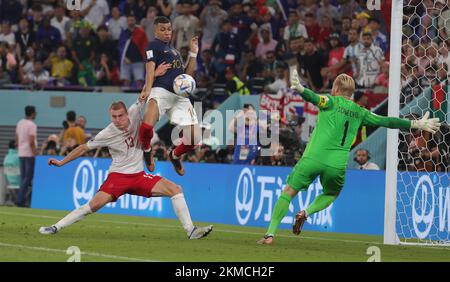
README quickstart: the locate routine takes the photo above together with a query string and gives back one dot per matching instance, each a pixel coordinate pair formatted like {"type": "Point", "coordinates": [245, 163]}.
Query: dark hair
{"type": "Point", "coordinates": [358, 95]}
{"type": "Point", "coordinates": [309, 40]}
{"type": "Point", "coordinates": [161, 20]}
{"type": "Point", "coordinates": [374, 20]}
{"type": "Point", "coordinates": [309, 15]}
{"type": "Point", "coordinates": [29, 111]}
{"type": "Point", "coordinates": [12, 144]}
{"type": "Point", "coordinates": [71, 116]}
{"type": "Point", "coordinates": [102, 27]}
{"type": "Point", "coordinates": [367, 34]}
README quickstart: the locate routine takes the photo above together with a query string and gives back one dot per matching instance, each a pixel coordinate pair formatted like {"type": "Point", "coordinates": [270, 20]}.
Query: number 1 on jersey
{"type": "Point", "coordinates": [345, 133]}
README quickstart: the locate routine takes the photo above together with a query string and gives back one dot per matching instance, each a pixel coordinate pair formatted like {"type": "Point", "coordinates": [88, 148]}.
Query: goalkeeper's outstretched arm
{"type": "Point", "coordinates": [425, 123]}
{"type": "Point", "coordinates": [320, 101]}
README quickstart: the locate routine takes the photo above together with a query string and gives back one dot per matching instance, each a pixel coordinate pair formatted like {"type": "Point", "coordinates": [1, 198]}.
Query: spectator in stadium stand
{"type": "Point", "coordinates": [24, 38]}
{"type": "Point", "coordinates": [36, 17]}
{"type": "Point", "coordinates": [60, 20]}
{"type": "Point", "coordinates": [444, 19]}
{"type": "Point", "coordinates": [72, 27]}
{"type": "Point", "coordinates": [312, 28]}
{"type": "Point", "coordinates": [226, 46]}
{"type": "Point", "coordinates": [370, 58]}
{"type": "Point", "coordinates": [26, 64]}
{"type": "Point", "coordinates": [242, 24]}
{"type": "Point", "coordinates": [270, 66]}
{"type": "Point", "coordinates": [335, 55]}
{"type": "Point", "coordinates": [134, 7]}
{"type": "Point", "coordinates": [346, 25]}
{"type": "Point", "coordinates": [267, 43]}
{"type": "Point", "coordinates": [234, 84]}
{"type": "Point", "coordinates": [379, 39]}
{"type": "Point", "coordinates": [294, 27]}
{"type": "Point", "coordinates": [211, 19]}
{"type": "Point", "coordinates": [61, 66]}
{"type": "Point", "coordinates": [132, 55]}
{"type": "Point", "coordinates": [206, 66]}
{"type": "Point", "coordinates": [251, 66]}
{"type": "Point", "coordinates": [362, 157]}
{"type": "Point", "coordinates": [116, 23]}
{"type": "Point", "coordinates": [383, 77]}
{"type": "Point", "coordinates": [11, 11]}
{"type": "Point", "coordinates": [105, 73]}
{"type": "Point", "coordinates": [326, 28]}
{"type": "Point", "coordinates": [7, 63]}
{"type": "Point", "coordinates": [104, 44]}
{"type": "Point", "coordinates": [363, 21]}
{"type": "Point", "coordinates": [147, 23]}
{"type": "Point", "coordinates": [312, 63]}
{"type": "Point", "coordinates": [48, 37]}
{"type": "Point", "coordinates": [308, 7]}
{"type": "Point", "coordinates": [73, 131]}
{"type": "Point", "coordinates": [81, 122]}
{"type": "Point", "coordinates": [39, 77]}
{"type": "Point", "coordinates": [26, 133]}
{"type": "Point", "coordinates": [83, 54]}
{"type": "Point", "coordinates": [444, 55]}
{"type": "Point", "coordinates": [328, 10]}
{"type": "Point", "coordinates": [95, 11]}
{"type": "Point", "coordinates": [281, 80]}
{"type": "Point", "coordinates": [185, 26]}
{"type": "Point", "coordinates": [7, 36]}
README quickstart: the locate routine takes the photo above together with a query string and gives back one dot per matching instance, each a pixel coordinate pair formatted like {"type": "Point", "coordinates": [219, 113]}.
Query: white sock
{"type": "Point", "coordinates": [74, 216]}
{"type": "Point", "coordinates": [182, 212]}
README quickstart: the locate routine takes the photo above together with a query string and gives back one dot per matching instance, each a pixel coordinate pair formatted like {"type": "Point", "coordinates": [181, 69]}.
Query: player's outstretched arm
{"type": "Point", "coordinates": [425, 123]}
{"type": "Point", "coordinates": [76, 153]}
{"type": "Point", "coordinates": [191, 64]}
{"type": "Point", "coordinates": [320, 101]}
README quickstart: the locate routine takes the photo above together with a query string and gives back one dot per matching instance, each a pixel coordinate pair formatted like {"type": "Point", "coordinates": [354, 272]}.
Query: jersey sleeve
{"type": "Point", "coordinates": [134, 111]}
{"type": "Point", "coordinates": [323, 102]}
{"type": "Point", "coordinates": [153, 49]}
{"type": "Point", "coordinates": [100, 140]}
{"type": "Point", "coordinates": [372, 119]}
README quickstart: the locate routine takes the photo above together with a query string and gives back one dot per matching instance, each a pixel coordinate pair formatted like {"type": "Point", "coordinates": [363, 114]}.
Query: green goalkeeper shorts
{"type": "Point", "coordinates": [305, 172]}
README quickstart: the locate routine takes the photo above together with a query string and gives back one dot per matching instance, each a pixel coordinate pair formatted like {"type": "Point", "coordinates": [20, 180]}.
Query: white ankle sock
{"type": "Point", "coordinates": [182, 212]}
{"type": "Point", "coordinates": [74, 216]}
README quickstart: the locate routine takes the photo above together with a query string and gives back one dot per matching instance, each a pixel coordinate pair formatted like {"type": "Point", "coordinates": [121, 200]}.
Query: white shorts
{"type": "Point", "coordinates": [178, 109]}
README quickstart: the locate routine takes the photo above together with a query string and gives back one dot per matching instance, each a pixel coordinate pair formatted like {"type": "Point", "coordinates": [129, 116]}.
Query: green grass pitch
{"type": "Point", "coordinates": [103, 237]}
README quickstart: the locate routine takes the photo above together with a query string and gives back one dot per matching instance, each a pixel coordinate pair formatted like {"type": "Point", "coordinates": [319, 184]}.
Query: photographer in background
{"type": "Point", "coordinates": [72, 131]}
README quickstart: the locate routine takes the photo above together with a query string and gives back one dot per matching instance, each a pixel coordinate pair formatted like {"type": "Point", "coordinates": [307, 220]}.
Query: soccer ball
{"type": "Point", "coordinates": [184, 85]}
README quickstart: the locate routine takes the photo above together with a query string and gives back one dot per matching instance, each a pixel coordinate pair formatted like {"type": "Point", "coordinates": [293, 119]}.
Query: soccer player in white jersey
{"type": "Point", "coordinates": [126, 174]}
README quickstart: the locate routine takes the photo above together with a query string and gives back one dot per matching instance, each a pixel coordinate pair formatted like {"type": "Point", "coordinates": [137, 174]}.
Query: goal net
{"type": "Point", "coordinates": [418, 171]}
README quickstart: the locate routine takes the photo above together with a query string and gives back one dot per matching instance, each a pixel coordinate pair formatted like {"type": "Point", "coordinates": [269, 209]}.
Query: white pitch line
{"type": "Point", "coordinates": [81, 253]}
{"type": "Point", "coordinates": [216, 230]}
{"type": "Point", "coordinates": [229, 231]}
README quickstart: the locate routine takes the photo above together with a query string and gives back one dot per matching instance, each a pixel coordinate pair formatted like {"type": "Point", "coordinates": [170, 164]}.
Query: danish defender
{"type": "Point", "coordinates": [161, 97]}
{"type": "Point", "coordinates": [126, 174]}
{"type": "Point", "coordinates": [327, 152]}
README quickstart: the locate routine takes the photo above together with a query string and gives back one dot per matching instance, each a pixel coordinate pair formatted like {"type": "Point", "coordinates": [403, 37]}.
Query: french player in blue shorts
{"type": "Point", "coordinates": [162, 100]}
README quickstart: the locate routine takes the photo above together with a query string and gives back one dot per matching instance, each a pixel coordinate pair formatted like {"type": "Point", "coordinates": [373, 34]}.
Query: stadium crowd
{"type": "Point", "coordinates": [245, 46]}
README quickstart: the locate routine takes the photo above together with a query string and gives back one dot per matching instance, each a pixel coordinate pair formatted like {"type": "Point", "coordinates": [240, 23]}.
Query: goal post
{"type": "Point", "coordinates": [390, 235]}
{"type": "Point", "coordinates": [417, 187]}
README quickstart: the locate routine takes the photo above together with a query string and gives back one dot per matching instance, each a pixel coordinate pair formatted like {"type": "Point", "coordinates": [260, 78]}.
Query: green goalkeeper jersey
{"type": "Point", "coordinates": [337, 126]}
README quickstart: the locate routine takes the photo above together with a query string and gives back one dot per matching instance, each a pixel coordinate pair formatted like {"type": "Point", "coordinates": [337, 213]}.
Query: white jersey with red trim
{"type": "Point", "coordinates": [124, 146]}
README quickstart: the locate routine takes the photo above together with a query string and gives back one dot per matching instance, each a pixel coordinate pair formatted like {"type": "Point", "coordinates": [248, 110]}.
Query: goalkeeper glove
{"type": "Point", "coordinates": [295, 82]}
{"type": "Point", "coordinates": [428, 124]}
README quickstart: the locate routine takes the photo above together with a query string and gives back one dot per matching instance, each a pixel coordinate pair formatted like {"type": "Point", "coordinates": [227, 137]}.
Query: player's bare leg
{"type": "Point", "coordinates": [100, 199]}
{"type": "Point", "coordinates": [167, 188]}
{"type": "Point", "coordinates": [279, 212]}
{"type": "Point", "coordinates": [191, 137]}
{"type": "Point", "coordinates": [151, 116]}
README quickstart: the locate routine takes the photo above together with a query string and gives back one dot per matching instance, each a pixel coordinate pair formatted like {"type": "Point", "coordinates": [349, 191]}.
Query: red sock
{"type": "Point", "coordinates": [145, 135]}
{"type": "Point", "coordinates": [182, 149]}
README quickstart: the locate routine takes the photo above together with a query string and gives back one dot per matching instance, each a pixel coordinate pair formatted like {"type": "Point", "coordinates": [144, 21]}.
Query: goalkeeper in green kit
{"type": "Point", "coordinates": [327, 151]}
